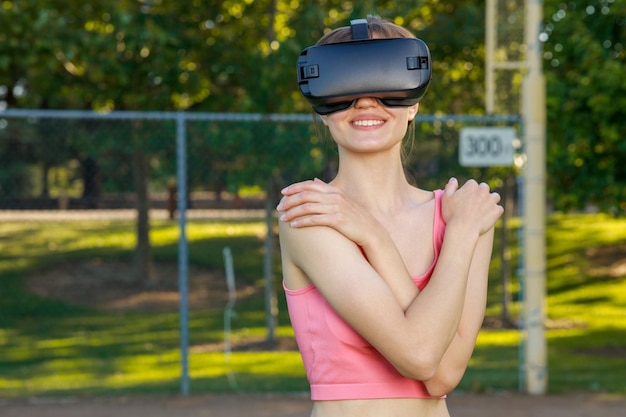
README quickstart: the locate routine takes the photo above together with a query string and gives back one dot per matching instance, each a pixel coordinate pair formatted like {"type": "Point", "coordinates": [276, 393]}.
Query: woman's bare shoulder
{"type": "Point", "coordinates": [421, 196]}
{"type": "Point", "coordinates": [304, 242]}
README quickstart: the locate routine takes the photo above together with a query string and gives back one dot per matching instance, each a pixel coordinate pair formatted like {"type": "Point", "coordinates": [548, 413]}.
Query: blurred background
{"type": "Point", "coordinates": [104, 108]}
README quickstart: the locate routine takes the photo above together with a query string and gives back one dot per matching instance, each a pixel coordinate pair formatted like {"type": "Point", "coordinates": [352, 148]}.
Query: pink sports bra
{"type": "Point", "coordinates": [340, 364]}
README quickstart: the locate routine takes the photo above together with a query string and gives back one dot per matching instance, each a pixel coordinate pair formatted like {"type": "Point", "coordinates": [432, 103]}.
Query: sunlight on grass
{"type": "Point", "coordinates": [167, 232]}
{"type": "Point", "coordinates": [498, 338]}
{"type": "Point", "coordinates": [30, 243]}
{"type": "Point", "coordinates": [50, 348]}
{"type": "Point", "coordinates": [571, 292]}
{"type": "Point", "coordinates": [87, 374]}
{"type": "Point", "coordinates": [202, 230]}
{"type": "Point", "coordinates": [497, 349]}
{"type": "Point", "coordinates": [38, 240]}
{"type": "Point", "coordinates": [268, 363]}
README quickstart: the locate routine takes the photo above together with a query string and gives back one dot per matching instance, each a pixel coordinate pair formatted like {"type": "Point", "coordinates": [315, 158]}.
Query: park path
{"type": "Point", "coordinates": [274, 405]}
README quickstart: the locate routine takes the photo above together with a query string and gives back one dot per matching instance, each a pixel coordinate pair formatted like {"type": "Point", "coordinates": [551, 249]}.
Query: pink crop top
{"type": "Point", "coordinates": [340, 364]}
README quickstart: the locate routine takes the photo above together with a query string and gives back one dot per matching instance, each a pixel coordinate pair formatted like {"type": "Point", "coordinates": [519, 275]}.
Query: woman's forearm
{"type": "Point", "coordinates": [456, 358]}
{"type": "Point", "coordinates": [383, 255]}
{"type": "Point", "coordinates": [439, 306]}
{"type": "Point", "coordinates": [451, 308]}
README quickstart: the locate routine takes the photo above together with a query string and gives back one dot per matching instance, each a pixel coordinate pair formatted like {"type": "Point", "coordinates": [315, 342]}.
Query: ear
{"type": "Point", "coordinates": [324, 119]}
{"type": "Point", "coordinates": [413, 111]}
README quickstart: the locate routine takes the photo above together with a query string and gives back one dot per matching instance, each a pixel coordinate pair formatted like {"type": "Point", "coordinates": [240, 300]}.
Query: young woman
{"type": "Point", "coordinates": [385, 282]}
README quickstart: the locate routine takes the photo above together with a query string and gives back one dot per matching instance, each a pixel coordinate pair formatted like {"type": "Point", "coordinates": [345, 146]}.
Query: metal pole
{"type": "Point", "coordinates": [490, 48]}
{"type": "Point", "coordinates": [534, 113]}
{"type": "Point", "coordinates": [229, 313]}
{"type": "Point", "coordinates": [181, 180]}
{"type": "Point", "coordinates": [271, 303]}
{"type": "Point", "coordinates": [522, 284]}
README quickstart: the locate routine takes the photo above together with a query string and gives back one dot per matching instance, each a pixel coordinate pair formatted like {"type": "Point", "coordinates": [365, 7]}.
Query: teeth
{"type": "Point", "coordinates": [367, 122]}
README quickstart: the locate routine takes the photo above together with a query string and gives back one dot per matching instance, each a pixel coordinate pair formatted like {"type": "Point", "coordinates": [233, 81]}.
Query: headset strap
{"type": "Point", "coordinates": [360, 29]}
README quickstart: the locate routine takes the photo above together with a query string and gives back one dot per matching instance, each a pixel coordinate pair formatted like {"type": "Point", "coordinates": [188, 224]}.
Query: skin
{"type": "Point", "coordinates": [370, 207]}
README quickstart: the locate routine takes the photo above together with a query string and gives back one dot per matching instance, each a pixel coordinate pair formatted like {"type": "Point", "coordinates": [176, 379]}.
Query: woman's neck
{"type": "Point", "coordinates": [376, 182]}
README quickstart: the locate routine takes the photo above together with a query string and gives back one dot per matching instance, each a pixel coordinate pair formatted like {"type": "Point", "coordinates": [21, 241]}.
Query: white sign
{"type": "Point", "coordinates": [486, 146]}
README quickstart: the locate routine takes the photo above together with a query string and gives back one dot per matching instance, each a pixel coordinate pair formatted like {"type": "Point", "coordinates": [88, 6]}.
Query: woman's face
{"type": "Point", "coordinates": [369, 126]}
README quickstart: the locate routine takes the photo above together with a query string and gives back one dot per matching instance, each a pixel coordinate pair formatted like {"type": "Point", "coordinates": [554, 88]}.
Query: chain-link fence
{"type": "Point", "coordinates": [84, 160]}
{"type": "Point", "coordinates": [87, 198]}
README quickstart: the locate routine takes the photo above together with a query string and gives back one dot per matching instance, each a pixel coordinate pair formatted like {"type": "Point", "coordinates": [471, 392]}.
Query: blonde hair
{"type": "Point", "coordinates": [381, 27]}
{"type": "Point", "coordinates": [384, 29]}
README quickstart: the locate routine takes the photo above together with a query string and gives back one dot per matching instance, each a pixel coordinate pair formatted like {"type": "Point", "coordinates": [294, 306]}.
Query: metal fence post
{"type": "Point", "coordinates": [181, 180]}
{"type": "Point", "coordinates": [181, 119]}
{"type": "Point", "coordinates": [534, 113]}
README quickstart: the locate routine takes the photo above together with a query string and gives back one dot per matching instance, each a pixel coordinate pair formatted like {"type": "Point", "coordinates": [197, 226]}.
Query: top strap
{"type": "Point", "coordinates": [360, 29]}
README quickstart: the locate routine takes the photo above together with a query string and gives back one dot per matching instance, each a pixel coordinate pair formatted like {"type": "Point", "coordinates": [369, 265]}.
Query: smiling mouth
{"type": "Point", "coordinates": [368, 122]}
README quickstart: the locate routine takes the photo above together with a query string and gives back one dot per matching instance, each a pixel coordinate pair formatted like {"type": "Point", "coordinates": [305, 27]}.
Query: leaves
{"type": "Point", "coordinates": [239, 56]}
{"type": "Point", "coordinates": [585, 65]}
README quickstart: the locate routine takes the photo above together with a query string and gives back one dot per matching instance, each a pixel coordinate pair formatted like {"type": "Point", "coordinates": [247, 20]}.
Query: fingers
{"type": "Point", "coordinates": [298, 192]}
{"type": "Point", "coordinates": [305, 199]}
{"type": "Point", "coordinates": [473, 203]}
{"type": "Point", "coordinates": [299, 202]}
{"type": "Point", "coordinates": [452, 186]}
{"type": "Point", "coordinates": [309, 185]}
{"type": "Point", "coordinates": [494, 195]}
{"type": "Point", "coordinates": [492, 209]}
{"type": "Point", "coordinates": [484, 187]}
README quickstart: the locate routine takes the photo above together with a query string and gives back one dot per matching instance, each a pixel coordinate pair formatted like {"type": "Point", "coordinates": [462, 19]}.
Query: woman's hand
{"type": "Point", "coordinates": [316, 203]}
{"type": "Point", "coordinates": [471, 206]}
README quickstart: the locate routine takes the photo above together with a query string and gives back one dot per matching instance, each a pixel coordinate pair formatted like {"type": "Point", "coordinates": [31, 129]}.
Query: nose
{"type": "Point", "coordinates": [365, 102]}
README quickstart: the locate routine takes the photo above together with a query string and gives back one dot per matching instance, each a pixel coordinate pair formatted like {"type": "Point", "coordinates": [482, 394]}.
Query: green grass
{"type": "Point", "coordinates": [586, 309]}
{"type": "Point", "coordinates": [51, 348]}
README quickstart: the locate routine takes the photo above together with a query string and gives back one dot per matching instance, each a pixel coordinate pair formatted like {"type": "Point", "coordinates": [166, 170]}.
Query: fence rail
{"type": "Point", "coordinates": [56, 155]}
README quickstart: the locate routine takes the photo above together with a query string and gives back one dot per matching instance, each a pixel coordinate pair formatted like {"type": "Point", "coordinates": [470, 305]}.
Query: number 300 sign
{"type": "Point", "coordinates": [486, 146]}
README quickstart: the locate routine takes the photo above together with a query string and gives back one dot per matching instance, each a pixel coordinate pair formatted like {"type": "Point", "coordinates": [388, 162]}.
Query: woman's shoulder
{"type": "Point", "coordinates": [307, 251]}
{"type": "Point", "coordinates": [424, 196]}
{"type": "Point", "coordinates": [304, 242]}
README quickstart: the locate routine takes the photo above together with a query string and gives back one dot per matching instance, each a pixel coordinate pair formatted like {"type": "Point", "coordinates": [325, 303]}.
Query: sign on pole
{"type": "Point", "coordinates": [486, 146]}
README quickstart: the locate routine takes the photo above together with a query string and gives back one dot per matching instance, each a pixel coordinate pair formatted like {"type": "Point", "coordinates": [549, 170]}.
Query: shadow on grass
{"type": "Point", "coordinates": [587, 360]}
{"type": "Point", "coordinates": [47, 344]}
{"type": "Point", "coordinates": [92, 353]}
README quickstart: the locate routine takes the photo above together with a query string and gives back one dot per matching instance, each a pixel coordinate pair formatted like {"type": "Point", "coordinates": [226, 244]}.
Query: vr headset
{"type": "Point", "coordinates": [396, 71]}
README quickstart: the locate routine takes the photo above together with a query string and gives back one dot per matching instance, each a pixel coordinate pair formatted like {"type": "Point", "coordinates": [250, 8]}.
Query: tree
{"type": "Point", "coordinates": [26, 56]}
{"type": "Point", "coordinates": [136, 56]}
{"type": "Point", "coordinates": [139, 56]}
{"type": "Point", "coordinates": [584, 64]}
{"type": "Point", "coordinates": [239, 56]}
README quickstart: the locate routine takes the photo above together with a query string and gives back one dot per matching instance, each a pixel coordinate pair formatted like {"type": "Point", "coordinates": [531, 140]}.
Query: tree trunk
{"type": "Point", "coordinates": [92, 181]}
{"type": "Point", "coordinates": [45, 186]}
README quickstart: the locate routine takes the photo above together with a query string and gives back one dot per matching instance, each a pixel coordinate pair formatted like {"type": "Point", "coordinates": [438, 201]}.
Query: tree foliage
{"type": "Point", "coordinates": [585, 67]}
{"type": "Point", "coordinates": [239, 56]}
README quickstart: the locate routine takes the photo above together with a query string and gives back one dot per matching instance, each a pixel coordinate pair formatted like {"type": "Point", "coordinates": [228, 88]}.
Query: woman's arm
{"type": "Point", "coordinates": [314, 203]}
{"type": "Point", "coordinates": [414, 335]}
{"type": "Point", "coordinates": [456, 358]}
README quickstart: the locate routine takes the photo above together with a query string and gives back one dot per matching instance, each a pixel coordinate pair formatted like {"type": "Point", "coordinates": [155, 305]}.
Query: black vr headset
{"type": "Point", "coordinates": [396, 71]}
